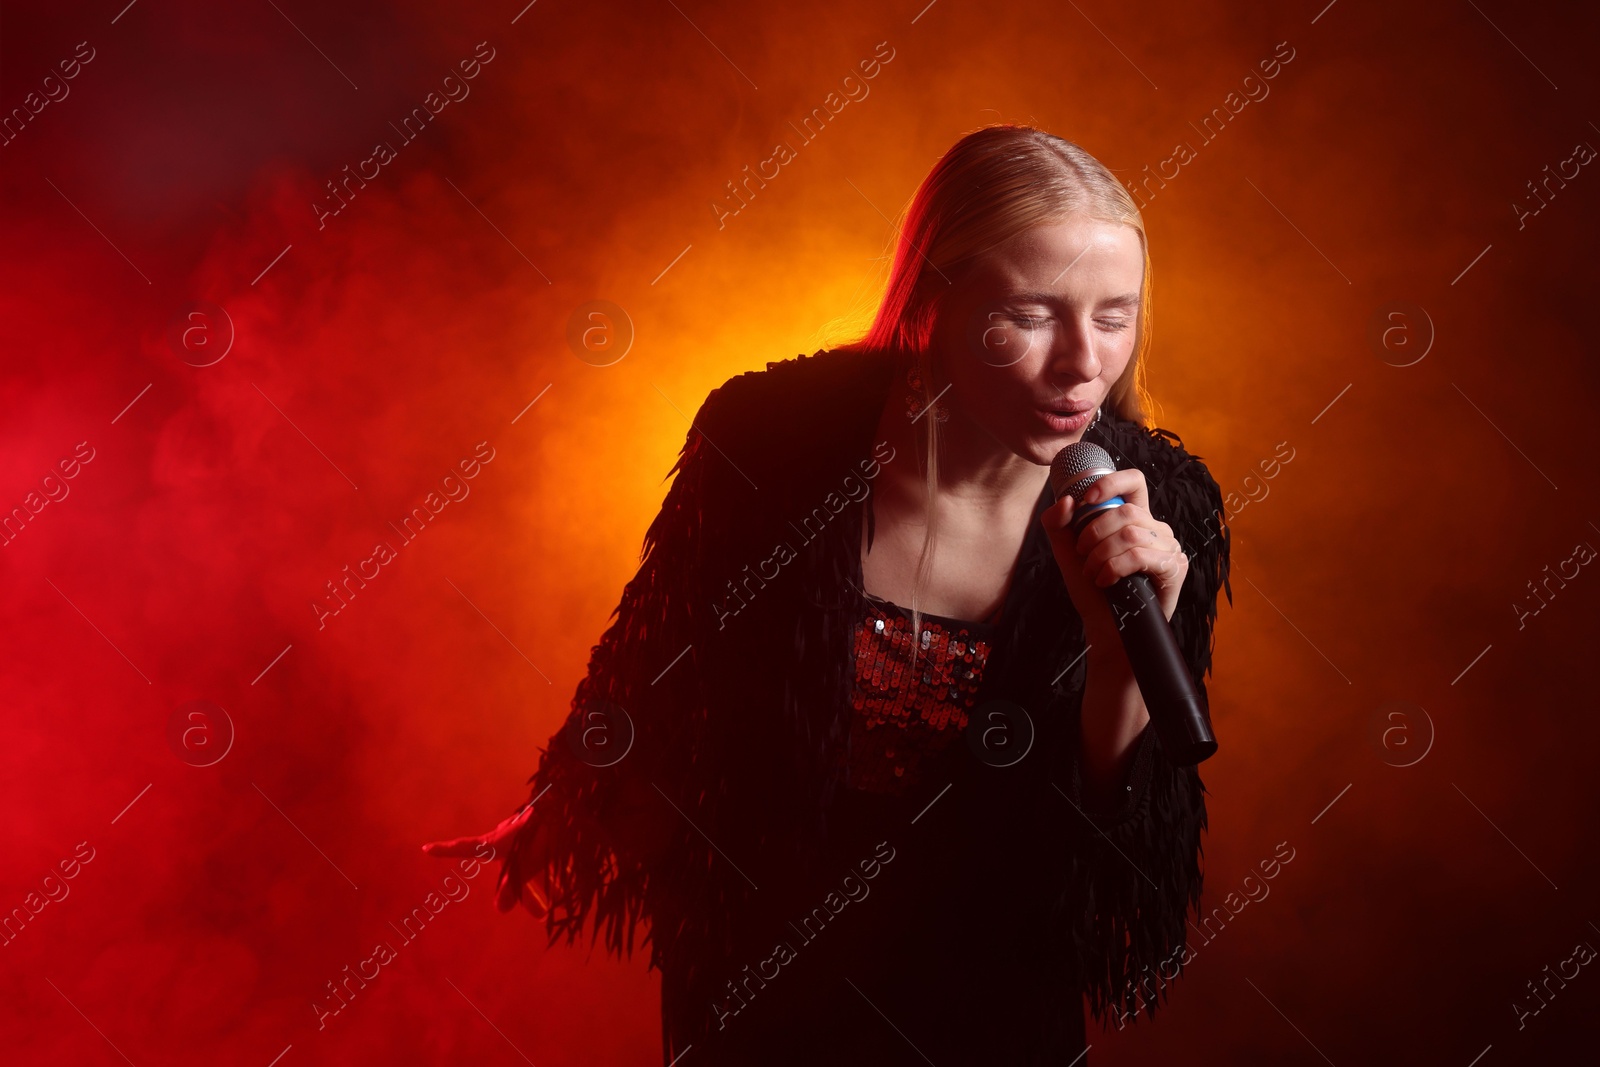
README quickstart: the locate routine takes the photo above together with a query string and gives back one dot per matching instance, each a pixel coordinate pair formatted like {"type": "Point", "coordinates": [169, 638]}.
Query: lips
{"type": "Point", "coordinates": [1076, 420]}
{"type": "Point", "coordinates": [1066, 410]}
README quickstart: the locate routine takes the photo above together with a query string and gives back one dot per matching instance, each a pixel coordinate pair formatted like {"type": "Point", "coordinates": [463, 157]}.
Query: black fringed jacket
{"type": "Point", "coordinates": [731, 659]}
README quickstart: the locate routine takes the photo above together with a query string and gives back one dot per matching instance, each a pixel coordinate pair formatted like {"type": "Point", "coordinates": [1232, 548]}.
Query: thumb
{"type": "Point", "coordinates": [534, 901]}
{"type": "Point", "coordinates": [1059, 513]}
{"type": "Point", "coordinates": [508, 895]}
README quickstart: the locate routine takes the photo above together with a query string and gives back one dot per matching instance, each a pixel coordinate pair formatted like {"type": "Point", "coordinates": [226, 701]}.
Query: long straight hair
{"type": "Point", "coordinates": [991, 185]}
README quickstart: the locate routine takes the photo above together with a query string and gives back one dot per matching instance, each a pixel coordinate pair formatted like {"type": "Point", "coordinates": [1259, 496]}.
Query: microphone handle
{"type": "Point", "coordinates": [1158, 666]}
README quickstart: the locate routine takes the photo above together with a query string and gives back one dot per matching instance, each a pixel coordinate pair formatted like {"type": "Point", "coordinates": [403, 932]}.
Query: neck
{"type": "Point", "coordinates": [974, 468]}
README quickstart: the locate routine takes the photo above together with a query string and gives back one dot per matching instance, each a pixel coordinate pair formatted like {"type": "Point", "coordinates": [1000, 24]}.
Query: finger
{"type": "Point", "coordinates": [1119, 534]}
{"type": "Point", "coordinates": [534, 901]}
{"type": "Point", "coordinates": [1129, 484]}
{"type": "Point", "coordinates": [511, 824]}
{"type": "Point", "coordinates": [472, 846]}
{"type": "Point", "coordinates": [1095, 515]}
{"type": "Point", "coordinates": [508, 894]}
{"type": "Point", "coordinates": [1135, 544]}
{"type": "Point", "coordinates": [526, 894]}
{"type": "Point", "coordinates": [1166, 566]}
{"type": "Point", "coordinates": [460, 846]}
{"type": "Point", "coordinates": [1104, 525]}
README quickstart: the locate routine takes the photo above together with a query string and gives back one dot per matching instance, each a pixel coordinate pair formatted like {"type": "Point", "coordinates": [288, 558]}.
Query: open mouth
{"type": "Point", "coordinates": [1066, 419]}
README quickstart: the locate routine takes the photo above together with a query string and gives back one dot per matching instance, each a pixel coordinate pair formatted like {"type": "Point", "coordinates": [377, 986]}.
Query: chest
{"type": "Point", "coordinates": [970, 571]}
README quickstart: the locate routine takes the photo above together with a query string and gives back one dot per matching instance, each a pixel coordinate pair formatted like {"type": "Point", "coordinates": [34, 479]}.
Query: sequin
{"type": "Point", "coordinates": [903, 718]}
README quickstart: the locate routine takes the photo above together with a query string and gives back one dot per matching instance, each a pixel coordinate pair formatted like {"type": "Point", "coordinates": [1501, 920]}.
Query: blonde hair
{"type": "Point", "coordinates": [991, 185]}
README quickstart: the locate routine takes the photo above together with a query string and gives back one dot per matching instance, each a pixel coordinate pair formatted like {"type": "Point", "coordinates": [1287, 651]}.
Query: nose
{"type": "Point", "coordinates": [1072, 358]}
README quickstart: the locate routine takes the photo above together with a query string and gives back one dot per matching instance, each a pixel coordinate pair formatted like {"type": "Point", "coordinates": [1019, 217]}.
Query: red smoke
{"type": "Point", "coordinates": [387, 219]}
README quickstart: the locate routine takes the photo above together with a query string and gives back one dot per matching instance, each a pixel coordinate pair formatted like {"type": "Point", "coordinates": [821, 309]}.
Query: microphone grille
{"type": "Point", "coordinates": [1078, 466]}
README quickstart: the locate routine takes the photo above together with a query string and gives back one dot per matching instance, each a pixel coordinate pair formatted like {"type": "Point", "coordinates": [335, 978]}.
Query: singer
{"type": "Point", "coordinates": [904, 805]}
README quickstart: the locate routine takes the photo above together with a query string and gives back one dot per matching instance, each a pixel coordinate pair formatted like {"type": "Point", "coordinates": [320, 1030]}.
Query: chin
{"type": "Point", "coordinates": [1042, 449]}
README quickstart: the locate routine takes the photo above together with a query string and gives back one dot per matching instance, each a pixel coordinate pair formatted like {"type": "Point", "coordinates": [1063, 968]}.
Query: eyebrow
{"type": "Point", "coordinates": [1123, 301]}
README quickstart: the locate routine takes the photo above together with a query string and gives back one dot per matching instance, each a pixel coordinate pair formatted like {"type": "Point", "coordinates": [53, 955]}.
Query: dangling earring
{"type": "Point", "coordinates": [1096, 420]}
{"type": "Point", "coordinates": [915, 398]}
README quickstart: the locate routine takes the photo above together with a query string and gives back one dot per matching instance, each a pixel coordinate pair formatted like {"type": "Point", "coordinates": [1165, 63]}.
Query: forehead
{"type": "Point", "coordinates": [1076, 255]}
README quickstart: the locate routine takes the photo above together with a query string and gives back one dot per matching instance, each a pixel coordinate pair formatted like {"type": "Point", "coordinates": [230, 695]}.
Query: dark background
{"type": "Point", "coordinates": [1380, 708]}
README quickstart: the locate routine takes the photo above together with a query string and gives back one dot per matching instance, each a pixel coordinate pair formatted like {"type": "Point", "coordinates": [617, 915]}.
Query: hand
{"type": "Point", "coordinates": [1117, 542]}
{"type": "Point", "coordinates": [522, 846]}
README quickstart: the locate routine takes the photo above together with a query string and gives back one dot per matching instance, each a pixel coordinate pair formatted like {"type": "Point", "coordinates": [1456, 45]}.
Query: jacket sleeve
{"type": "Point", "coordinates": [1135, 870]}
{"type": "Point", "coordinates": [600, 790]}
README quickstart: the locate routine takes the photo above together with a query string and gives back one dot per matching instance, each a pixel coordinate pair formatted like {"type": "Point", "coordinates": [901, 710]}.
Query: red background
{"type": "Point", "coordinates": [1382, 563]}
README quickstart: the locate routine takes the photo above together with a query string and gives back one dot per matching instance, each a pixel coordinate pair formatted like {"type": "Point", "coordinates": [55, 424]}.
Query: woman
{"type": "Point", "coordinates": [861, 742]}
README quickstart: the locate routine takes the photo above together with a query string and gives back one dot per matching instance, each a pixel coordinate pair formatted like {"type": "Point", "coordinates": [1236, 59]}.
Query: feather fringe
{"type": "Point", "coordinates": [712, 733]}
{"type": "Point", "coordinates": [1132, 875]}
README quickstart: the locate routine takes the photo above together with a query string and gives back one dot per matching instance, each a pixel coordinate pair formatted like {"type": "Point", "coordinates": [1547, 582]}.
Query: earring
{"type": "Point", "coordinates": [1096, 420]}
{"type": "Point", "coordinates": [914, 399]}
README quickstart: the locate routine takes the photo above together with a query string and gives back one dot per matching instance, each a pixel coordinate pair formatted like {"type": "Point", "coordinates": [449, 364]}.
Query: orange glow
{"type": "Point", "coordinates": [238, 536]}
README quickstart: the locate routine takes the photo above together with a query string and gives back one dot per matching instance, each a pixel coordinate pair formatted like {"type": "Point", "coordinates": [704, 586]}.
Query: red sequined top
{"type": "Point", "coordinates": [904, 716]}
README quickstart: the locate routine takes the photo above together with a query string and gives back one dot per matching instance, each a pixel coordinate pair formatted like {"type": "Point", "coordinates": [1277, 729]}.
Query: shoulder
{"type": "Point", "coordinates": [798, 387]}
{"type": "Point", "coordinates": [811, 414]}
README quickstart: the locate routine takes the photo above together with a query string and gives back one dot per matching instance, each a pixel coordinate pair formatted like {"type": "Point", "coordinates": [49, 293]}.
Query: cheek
{"type": "Point", "coordinates": [1000, 400]}
{"type": "Point", "coordinates": [1114, 353]}
{"type": "Point", "coordinates": [996, 392]}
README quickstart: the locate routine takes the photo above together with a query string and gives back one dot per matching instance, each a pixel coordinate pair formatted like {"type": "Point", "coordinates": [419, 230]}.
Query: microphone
{"type": "Point", "coordinates": [1158, 666]}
